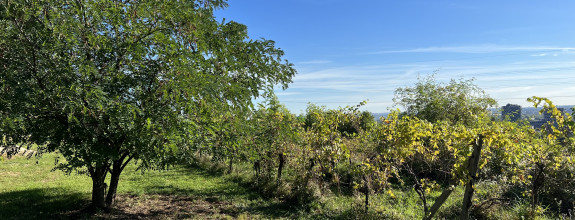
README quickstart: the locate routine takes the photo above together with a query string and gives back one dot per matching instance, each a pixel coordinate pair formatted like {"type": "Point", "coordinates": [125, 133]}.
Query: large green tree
{"type": "Point", "coordinates": [109, 81]}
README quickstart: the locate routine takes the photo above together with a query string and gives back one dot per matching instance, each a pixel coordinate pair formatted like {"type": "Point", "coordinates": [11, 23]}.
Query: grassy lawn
{"type": "Point", "coordinates": [29, 189]}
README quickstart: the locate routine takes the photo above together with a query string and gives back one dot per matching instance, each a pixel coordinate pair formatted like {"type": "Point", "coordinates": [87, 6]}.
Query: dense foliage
{"type": "Point", "coordinates": [327, 151]}
{"type": "Point", "coordinates": [107, 82]}
{"type": "Point", "coordinates": [456, 102]}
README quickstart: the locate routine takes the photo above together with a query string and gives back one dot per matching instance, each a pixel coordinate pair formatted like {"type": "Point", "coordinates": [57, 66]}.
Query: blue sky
{"type": "Point", "coordinates": [346, 52]}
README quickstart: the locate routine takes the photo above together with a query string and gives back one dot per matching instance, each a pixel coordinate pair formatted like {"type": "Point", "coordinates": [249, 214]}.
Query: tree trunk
{"type": "Point", "coordinates": [117, 168]}
{"type": "Point", "coordinates": [309, 172]}
{"type": "Point", "coordinates": [231, 165]}
{"type": "Point", "coordinates": [367, 191]}
{"type": "Point", "coordinates": [418, 187]}
{"type": "Point", "coordinates": [366, 200]}
{"type": "Point", "coordinates": [257, 169]}
{"type": "Point", "coordinates": [98, 175]}
{"type": "Point", "coordinates": [472, 167]}
{"type": "Point", "coordinates": [281, 158]}
{"type": "Point", "coordinates": [114, 179]}
{"type": "Point", "coordinates": [538, 183]}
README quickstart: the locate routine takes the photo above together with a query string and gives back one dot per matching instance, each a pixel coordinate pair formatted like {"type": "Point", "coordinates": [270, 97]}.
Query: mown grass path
{"type": "Point", "coordinates": [29, 189]}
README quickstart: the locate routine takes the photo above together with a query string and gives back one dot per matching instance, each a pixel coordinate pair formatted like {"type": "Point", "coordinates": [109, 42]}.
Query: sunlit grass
{"type": "Point", "coordinates": [30, 189]}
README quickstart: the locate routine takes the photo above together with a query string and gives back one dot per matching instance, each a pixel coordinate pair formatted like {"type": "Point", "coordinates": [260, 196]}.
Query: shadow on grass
{"type": "Point", "coordinates": [267, 205]}
{"type": "Point", "coordinates": [46, 203]}
{"type": "Point", "coordinates": [223, 197]}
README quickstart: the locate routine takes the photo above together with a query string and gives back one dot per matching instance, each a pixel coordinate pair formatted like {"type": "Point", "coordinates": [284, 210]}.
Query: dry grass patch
{"type": "Point", "coordinates": [166, 207]}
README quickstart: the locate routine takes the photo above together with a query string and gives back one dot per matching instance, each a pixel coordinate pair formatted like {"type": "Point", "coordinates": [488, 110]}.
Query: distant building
{"type": "Point", "coordinates": [536, 124]}
{"type": "Point", "coordinates": [547, 117]}
{"type": "Point", "coordinates": [513, 112]}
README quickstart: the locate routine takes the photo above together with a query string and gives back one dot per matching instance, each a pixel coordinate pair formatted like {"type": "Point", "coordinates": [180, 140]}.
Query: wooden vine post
{"type": "Point", "coordinates": [440, 200]}
{"type": "Point", "coordinates": [472, 168]}
{"type": "Point", "coordinates": [367, 192]}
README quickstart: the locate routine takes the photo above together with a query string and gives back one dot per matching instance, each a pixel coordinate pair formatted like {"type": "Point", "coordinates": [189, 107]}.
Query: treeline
{"type": "Point", "coordinates": [444, 139]}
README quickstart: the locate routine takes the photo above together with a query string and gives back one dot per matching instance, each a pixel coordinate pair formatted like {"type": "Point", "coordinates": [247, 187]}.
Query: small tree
{"type": "Point", "coordinates": [457, 101]}
{"type": "Point", "coordinates": [107, 82]}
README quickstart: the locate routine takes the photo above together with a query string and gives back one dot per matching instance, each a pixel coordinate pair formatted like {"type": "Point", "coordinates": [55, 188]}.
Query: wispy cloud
{"type": "Point", "coordinates": [507, 82]}
{"type": "Point", "coordinates": [477, 49]}
{"type": "Point", "coordinates": [314, 62]}
{"type": "Point", "coordinates": [284, 93]}
{"type": "Point", "coordinates": [517, 89]}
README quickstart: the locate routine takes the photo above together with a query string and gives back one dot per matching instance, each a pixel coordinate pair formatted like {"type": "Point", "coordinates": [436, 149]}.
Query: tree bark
{"type": "Point", "coordinates": [309, 173]}
{"type": "Point", "coordinates": [472, 167]}
{"type": "Point", "coordinates": [257, 169]}
{"type": "Point", "coordinates": [231, 165]}
{"type": "Point", "coordinates": [117, 168]}
{"type": "Point", "coordinates": [114, 179]}
{"type": "Point", "coordinates": [418, 187]}
{"type": "Point", "coordinates": [367, 191]}
{"type": "Point", "coordinates": [281, 158]}
{"type": "Point", "coordinates": [98, 175]}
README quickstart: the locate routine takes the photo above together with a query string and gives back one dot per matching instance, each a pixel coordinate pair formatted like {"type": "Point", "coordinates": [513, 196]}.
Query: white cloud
{"type": "Point", "coordinates": [477, 49]}
{"type": "Point", "coordinates": [509, 89]}
{"type": "Point", "coordinates": [509, 81]}
{"type": "Point", "coordinates": [284, 93]}
{"type": "Point", "coordinates": [314, 62]}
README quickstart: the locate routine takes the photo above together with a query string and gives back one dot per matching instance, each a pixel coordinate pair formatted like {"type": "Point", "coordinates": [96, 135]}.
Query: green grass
{"type": "Point", "coordinates": [29, 189]}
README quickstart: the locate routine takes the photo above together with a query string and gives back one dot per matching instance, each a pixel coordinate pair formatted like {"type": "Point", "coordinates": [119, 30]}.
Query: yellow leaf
{"type": "Point", "coordinates": [391, 194]}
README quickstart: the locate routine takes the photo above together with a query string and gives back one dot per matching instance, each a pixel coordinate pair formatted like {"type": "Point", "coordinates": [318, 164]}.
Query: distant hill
{"type": "Point", "coordinates": [533, 113]}
{"type": "Point", "coordinates": [526, 112]}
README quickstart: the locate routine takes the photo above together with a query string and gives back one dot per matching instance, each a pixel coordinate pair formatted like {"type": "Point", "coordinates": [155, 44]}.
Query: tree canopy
{"type": "Point", "coordinates": [106, 82]}
{"type": "Point", "coordinates": [459, 101]}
